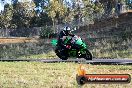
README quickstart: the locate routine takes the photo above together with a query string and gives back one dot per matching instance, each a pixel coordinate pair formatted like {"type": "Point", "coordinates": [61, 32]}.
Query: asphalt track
{"type": "Point", "coordinates": [95, 61]}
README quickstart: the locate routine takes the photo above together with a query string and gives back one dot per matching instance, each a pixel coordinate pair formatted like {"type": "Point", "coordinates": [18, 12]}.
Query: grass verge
{"type": "Point", "coordinates": [113, 54]}
{"type": "Point", "coordinates": [54, 75]}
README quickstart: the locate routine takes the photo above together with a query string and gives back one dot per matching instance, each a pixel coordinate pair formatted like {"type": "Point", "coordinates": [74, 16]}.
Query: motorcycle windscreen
{"type": "Point", "coordinates": [54, 42]}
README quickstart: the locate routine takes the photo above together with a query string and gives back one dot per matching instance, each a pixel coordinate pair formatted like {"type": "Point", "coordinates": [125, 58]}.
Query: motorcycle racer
{"type": "Point", "coordinates": [62, 36]}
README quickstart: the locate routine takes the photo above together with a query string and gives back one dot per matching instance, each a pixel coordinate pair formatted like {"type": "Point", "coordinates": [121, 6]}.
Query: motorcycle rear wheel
{"type": "Point", "coordinates": [61, 55]}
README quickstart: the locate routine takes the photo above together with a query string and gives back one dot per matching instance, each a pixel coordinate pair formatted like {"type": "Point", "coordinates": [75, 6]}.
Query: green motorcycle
{"type": "Point", "coordinates": [78, 49]}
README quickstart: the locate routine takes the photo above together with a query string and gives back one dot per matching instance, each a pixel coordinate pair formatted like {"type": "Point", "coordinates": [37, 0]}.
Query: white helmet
{"type": "Point", "coordinates": [66, 28]}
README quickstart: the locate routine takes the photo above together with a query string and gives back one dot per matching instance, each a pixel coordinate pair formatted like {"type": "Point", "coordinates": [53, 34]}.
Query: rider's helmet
{"type": "Point", "coordinates": [67, 30]}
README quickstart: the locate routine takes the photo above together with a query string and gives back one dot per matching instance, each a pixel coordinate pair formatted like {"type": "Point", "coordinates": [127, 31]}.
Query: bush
{"type": "Point", "coordinates": [126, 35]}
{"type": "Point", "coordinates": [47, 32]}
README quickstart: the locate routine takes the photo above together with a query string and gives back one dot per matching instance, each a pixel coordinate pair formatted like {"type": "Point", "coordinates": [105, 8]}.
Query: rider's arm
{"type": "Point", "coordinates": [61, 39]}
{"type": "Point", "coordinates": [71, 34]}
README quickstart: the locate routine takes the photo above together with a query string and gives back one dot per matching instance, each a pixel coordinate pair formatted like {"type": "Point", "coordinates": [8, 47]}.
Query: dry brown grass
{"type": "Point", "coordinates": [17, 40]}
{"type": "Point", "coordinates": [54, 75]}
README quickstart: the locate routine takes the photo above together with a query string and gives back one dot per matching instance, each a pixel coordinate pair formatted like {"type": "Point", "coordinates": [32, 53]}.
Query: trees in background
{"type": "Point", "coordinates": [23, 13]}
{"type": "Point", "coordinates": [6, 16]}
{"type": "Point", "coordinates": [56, 10]}
{"type": "Point", "coordinates": [38, 13]}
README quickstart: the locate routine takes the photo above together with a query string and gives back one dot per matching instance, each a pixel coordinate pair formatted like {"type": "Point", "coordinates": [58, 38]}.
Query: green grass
{"type": "Point", "coordinates": [54, 75]}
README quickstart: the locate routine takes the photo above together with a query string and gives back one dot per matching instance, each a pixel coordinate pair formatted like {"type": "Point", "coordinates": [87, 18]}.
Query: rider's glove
{"type": "Point", "coordinates": [72, 35]}
{"type": "Point", "coordinates": [68, 46]}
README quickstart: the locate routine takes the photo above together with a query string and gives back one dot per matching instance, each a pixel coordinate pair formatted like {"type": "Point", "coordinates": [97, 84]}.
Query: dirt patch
{"type": "Point", "coordinates": [17, 40]}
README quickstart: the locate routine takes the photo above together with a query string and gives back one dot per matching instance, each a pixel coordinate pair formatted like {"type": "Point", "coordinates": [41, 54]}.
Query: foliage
{"type": "Point", "coordinates": [56, 11]}
{"type": "Point", "coordinates": [51, 12]}
{"type": "Point", "coordinates": [41, 20]}
{"type": "Point", "coordinates": [47, 32]}
{"type": "Point", "coordinates": [23, 13]}
{"type": "Point", "coordinates": [39, 13]}
{"type": "Point", "coordinates": [41, 3]}
{"type": "Point", "coordinates": [126, 35]}
{"type": "Point", "coordinates": [6, 16]}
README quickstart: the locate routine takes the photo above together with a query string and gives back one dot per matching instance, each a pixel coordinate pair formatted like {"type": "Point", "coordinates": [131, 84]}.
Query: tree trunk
{"type": "Point", "coordinates": [54, 25]}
